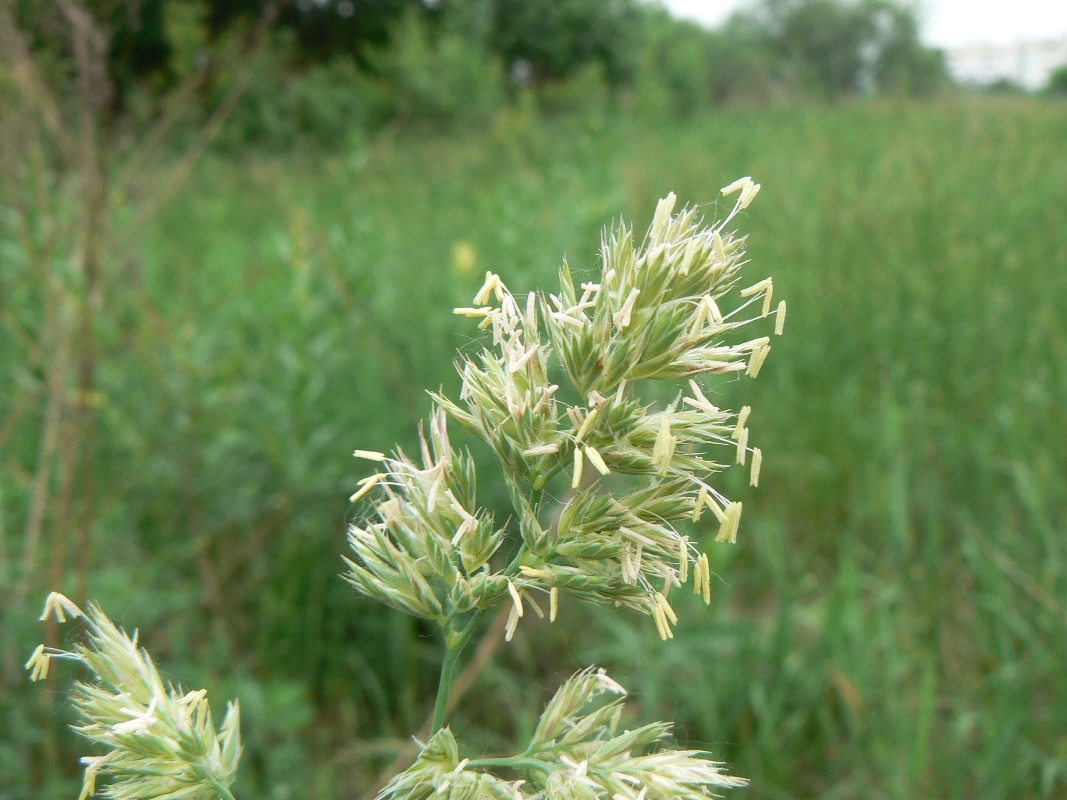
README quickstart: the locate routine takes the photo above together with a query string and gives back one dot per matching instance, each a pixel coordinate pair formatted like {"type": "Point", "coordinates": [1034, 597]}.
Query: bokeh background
{"type": "Point", "coordinates": [231, 236]}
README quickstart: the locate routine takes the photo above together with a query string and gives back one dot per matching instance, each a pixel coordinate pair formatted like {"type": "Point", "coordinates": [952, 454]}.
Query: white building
{"type": "Point", "coordinates": [1028, 64]}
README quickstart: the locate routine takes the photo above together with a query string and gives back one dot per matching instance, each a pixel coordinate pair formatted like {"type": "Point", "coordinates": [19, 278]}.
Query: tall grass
{"type": "Point", "coordinates": [893, 620]}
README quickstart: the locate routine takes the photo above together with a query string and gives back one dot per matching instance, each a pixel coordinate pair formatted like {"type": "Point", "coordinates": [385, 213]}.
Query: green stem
{"type": "Point", "coordinates": [456, 644]}
{"type": "Point", "coordinates": [448, 669]}
{"type": "Point", "coordinates": [542, 481]}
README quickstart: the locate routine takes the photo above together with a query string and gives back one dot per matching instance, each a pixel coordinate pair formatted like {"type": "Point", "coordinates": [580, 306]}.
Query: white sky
{"type": "Point", "coordinates": [945, 22]}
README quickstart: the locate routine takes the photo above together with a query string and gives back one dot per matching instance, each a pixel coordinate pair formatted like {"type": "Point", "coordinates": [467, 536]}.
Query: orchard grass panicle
{"type": "Point", "coordinates": [558, 393]}
{"type": "Point", "coordinates": [558, 397]}
{"type": "Point", "coordinates": [602, 480]}
{"type": "Point", "coordinates": [159, 740]}
{"type": "Point", "coordinates": [577, 751]}
{"type": "Point", "coordinates": [426, 550]}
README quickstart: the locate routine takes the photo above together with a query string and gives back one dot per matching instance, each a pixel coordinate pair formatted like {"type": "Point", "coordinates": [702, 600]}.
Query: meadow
{"type": "Point", "coordinates": [892, 622]}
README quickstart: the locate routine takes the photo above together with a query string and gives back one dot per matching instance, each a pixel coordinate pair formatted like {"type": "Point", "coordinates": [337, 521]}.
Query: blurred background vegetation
{"type": "Point", "coordinates": [231, 235]}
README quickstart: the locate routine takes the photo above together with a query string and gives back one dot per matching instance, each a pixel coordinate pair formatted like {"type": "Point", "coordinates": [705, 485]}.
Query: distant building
{"type": "Point", "coordinates": [1028, 64]}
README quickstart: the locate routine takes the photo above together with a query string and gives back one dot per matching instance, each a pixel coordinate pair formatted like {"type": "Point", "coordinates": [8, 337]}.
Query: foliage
{"type": "Point", "coordinates": [557, 38]}
{"type": "Point", "coordinates": [832, 48]}
{"type": "Point", "coordinates": [336, 66]}
{"type": "Point", "coordinates": [1057, 82]}
{"type": "Point", "coordinates": [820, 43]}
{"type": "Point", "coordinates": [674, 73]}
{"type": "Point", "coordinates": [325, 105]}
{"type": "Point", "coordinates": [685, 68]}
{"type": "Point", "coordinates": [447, 77]}
{"type": "Point", "coordinates": [783, 50]}
{"type": "Point", "coordinates": [902, 64]}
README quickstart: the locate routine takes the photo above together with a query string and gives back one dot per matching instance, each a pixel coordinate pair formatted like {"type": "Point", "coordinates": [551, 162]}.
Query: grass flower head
{"type": "Point", "coordinates": [559, 392]}
{"type": "Point", "coordinates": [159, 741]}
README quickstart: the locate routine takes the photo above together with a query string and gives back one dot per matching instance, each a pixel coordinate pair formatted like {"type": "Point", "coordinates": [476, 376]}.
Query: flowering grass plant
{"type": "Point", "coordinates": [600, 479]}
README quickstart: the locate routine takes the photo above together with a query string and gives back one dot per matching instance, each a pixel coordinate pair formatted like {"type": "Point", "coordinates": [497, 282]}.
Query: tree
{"type": "Point", "coordinates": [1057, 82]}
{"type": "Point", "coordinates": [559, 37]}
{"type": "Point", "coordinates": [902, 64]}
{"type": "Point", "coordinates": [837, 47]}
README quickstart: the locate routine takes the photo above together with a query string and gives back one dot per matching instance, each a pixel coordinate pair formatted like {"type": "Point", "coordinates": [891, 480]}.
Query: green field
{"type": "Point", "coordinates": [892, 622]}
